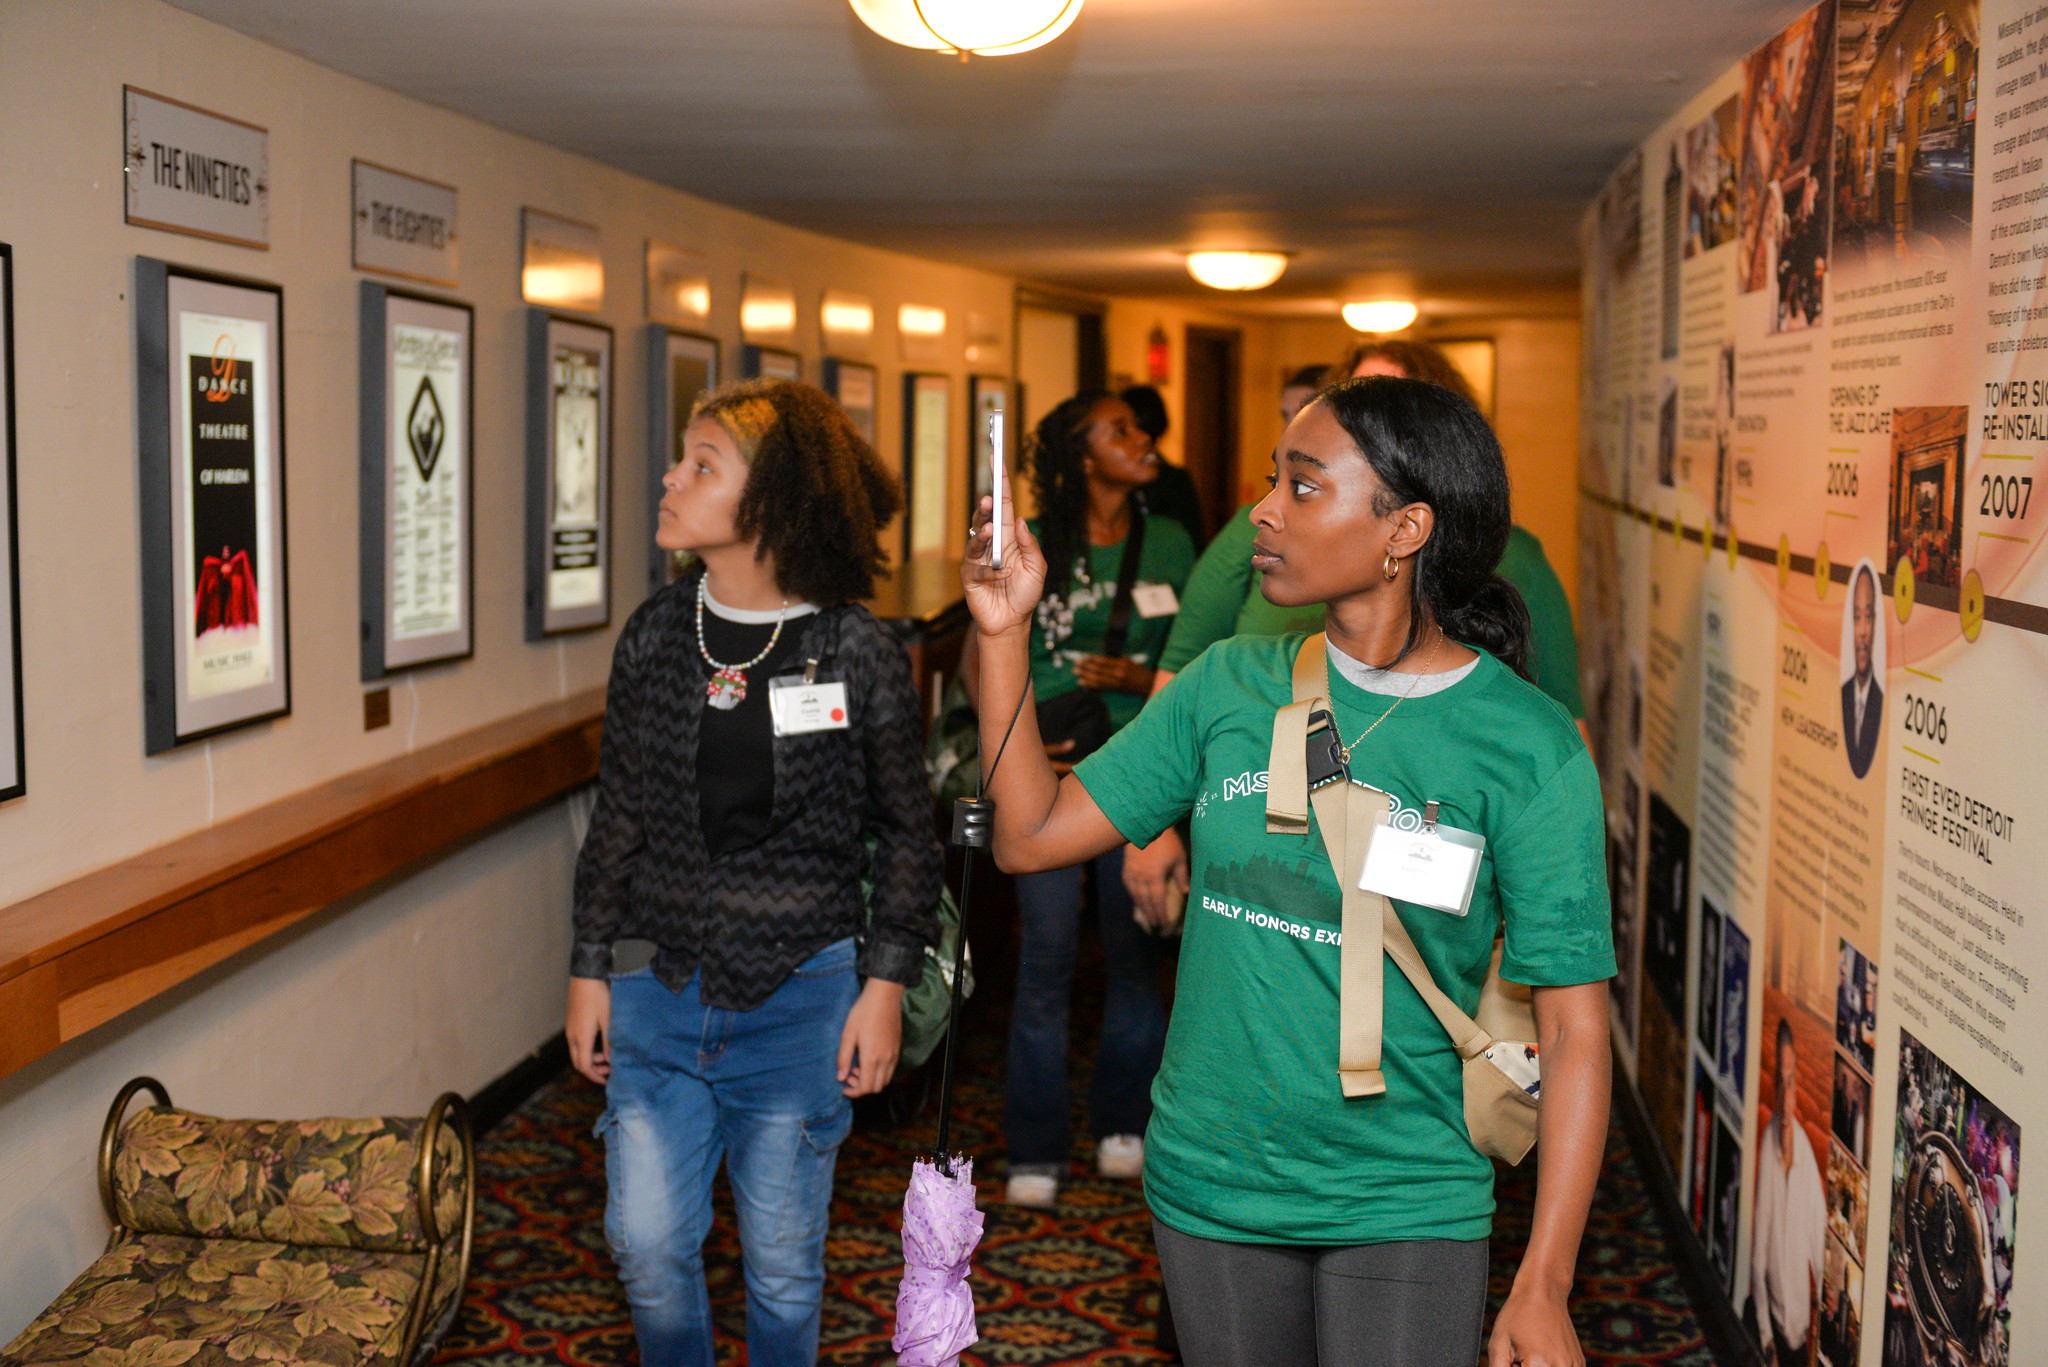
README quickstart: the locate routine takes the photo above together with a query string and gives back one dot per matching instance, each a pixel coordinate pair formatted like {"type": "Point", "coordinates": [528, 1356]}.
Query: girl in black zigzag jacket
{"type": "Point", "coordinates": [761, 729]}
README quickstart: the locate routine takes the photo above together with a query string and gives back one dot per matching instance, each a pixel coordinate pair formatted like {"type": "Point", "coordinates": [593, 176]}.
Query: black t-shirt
{"type": "Point", "coordinates": [736, 748]}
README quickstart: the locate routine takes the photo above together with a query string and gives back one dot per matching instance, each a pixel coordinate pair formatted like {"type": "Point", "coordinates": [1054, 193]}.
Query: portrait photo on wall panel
{"type": "Point", "coordinates": [13, 759]}
{"type": "Point", "coordinates": [681, 368]}
{"type": "Point", "coordinates": [855, 385]}
{"type": "Point", "coordinates": [417, 564]}
{"type": "Point", "coordinates": [568, 474]}
{"type": "Point", "coordinates": [210, 418]}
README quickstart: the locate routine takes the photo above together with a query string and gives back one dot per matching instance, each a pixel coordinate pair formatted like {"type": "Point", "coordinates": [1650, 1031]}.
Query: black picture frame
{"type": "Point", "coordinates": [927, 425]}
{"type": "Point", "coordinates": [388, 646]}
{"type": "Point", "coordinates": [13, 764]}
{"type": "Point", "coordinates": [568, 535]}
{"type": "Point", "coordinates": [771, 362]}
{"type": "Point", "coordinates": [858, 388]}
{"type": "Point", "coordinates": [248, 586]}
{"type": "Point", "coordinates": [674, 359]}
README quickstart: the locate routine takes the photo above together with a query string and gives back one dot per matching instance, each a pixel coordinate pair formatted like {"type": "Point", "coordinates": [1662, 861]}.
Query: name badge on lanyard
{"type": "Point", "coordinates": [1435, 867]}
{"type": "Point", "coordinates": [802, 705]}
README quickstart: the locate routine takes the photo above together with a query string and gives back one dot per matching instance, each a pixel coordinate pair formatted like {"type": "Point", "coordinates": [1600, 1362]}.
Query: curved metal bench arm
{"type": "Point", "coordinates": [113, 1131]}
{"type": "Point", "coordinates": [420, 1337]}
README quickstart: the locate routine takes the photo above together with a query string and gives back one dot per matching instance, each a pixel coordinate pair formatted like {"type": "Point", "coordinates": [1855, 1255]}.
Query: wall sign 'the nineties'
{"type": "Point", "coordinates": [192, 171]}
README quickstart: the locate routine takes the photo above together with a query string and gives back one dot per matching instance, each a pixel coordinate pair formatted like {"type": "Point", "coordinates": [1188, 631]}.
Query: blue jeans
{"type": "Point", "coordinates": [691, 1084]}
{"type": "Point", "coordinates": [1133, 1015]}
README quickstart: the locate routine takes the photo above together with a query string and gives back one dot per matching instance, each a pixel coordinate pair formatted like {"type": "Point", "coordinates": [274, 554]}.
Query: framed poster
{"type": "Point", "coordinates": [769, 363]}
{"type": "Point", "coordinates": [927, 419]}
{"type": "Point", "coordinates": [417, 568]}
{"type": "Point", "coordinates": [568, 474]}
{"type": "Point", "coordinates": [987, 395]}
{"type": "Point", "coordinates": [855, 386]}
{"type": "Point", "coordinates": [210, 411]}
{"type": "Point", "coordinates": [681, 366]}
{"type": "Point", "coordinates": [13, 738]}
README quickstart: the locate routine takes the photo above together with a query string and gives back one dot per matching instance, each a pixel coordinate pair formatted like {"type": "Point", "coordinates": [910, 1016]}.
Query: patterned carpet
{"type": "Point", "coordinates": [1074, 1285]}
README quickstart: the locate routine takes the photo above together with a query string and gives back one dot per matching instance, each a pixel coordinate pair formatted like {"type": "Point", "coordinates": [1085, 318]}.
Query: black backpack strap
{"type": "Point", "coordinates": [1118, 635]}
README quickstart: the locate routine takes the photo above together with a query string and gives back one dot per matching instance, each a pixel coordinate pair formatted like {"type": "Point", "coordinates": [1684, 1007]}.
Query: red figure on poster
{"type": "Point", "coordinates": [227, 592]}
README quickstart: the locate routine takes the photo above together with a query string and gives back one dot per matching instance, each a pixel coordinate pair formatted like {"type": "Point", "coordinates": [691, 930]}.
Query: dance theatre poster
{"type": "Point", "coordinates": [213, 502]}
{"type": "Point", "coordinates": [1814, 609]}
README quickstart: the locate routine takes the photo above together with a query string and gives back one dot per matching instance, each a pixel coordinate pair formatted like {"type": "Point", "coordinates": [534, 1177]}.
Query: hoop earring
{"type": "Point", "coordinates": [1392, 568]}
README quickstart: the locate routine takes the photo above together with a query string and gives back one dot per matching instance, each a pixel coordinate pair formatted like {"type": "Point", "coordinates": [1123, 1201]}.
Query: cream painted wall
{"type": "Point", "coordinates": [1535, 405]}
{"type": "Point", "coordinates": [446, 977]}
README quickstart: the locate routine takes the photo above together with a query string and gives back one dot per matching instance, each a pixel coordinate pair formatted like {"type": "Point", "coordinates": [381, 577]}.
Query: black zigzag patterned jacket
{"type": "Point", "coordinates": [752, 915]}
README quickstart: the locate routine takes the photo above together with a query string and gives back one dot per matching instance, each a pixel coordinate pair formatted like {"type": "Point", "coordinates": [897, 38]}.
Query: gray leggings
{"type": "Point", "coordinates": [1419, 1303]}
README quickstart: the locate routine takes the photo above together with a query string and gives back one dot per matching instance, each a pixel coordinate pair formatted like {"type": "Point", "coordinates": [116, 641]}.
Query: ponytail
{"type": "Point", "coordinates": [1429, 445]}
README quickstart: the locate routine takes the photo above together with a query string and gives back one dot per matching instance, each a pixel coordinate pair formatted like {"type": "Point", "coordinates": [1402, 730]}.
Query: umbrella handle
{"type": "Point", "coordinates": [973, 825]}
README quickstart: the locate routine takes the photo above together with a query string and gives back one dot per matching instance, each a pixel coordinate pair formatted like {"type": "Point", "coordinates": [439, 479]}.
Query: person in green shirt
{"type": "Point", "coordinates": [1089, 459]}
{"type": "Point", "coordinates": [1223, 599]}
{"type": "Point", "coordinates": [1296, 1225]}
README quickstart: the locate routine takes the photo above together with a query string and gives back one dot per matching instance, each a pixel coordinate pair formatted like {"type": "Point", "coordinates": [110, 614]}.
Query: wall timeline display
{"type": "Point", "coordinates": [855, 386]}
{"type": "Point", "coordinates": [681, 368]}
{"type": "Point", "coordinates": [13, 759]}
{"type": "Point", "coordinates": [986, 397]}
{"type": "Point", "coordinates": [1808, 530]}
{"type": "Point", "coordinates": [193, 171]}
{"type": "Point", "coordinates": [210, 410]}
{"type": "Point", "coordinates": [927, 428]}
{"type": "Point", "coordinates": [769, 363]}
{"type": "Point", "coordinates": [568, 474]}
{"type": "Point", "coordinates": [402, 225]}
{"type": "Point", "coordinates": [417, 568]}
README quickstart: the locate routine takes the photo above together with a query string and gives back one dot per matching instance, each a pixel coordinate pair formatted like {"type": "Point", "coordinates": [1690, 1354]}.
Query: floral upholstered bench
{"type": "Point", "coordinates": [342, 1243]}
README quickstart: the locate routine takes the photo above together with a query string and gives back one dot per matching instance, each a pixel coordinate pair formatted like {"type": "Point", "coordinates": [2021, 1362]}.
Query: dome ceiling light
{"type": "Point", "coordinates": [985, 28]}
{"type": "Point", "coordinates": [1236, 270]}
{"type": "Point", "coordinates": [1379, 315]}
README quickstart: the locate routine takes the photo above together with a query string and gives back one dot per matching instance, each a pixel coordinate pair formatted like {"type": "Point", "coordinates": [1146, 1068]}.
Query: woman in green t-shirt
{"type": "Point", "coordinates": [1091, 663]}
{"type": "Point", "coordinates": [1296, 1225]}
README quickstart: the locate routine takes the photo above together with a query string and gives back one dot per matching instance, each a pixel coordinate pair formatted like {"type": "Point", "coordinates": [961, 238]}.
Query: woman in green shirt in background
{"type": "Point", "coordinates": [1089, 459]}
{"type": "Point", "coordinates": [1296, 1225]}
{"type": "Point", "coordinates": [1223, 599]}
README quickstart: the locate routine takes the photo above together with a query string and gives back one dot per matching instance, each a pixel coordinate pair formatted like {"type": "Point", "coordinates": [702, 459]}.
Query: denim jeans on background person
{"type": "Point", "coordinates": [691, 1084]}
{"type": "Point", "coordinates": [1133, 1014]}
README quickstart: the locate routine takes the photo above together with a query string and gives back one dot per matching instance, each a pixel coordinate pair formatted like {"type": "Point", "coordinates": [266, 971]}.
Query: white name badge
{"type": "Point", "coordinates": [1154, 600]}
{"type": "Point", "coordinates": [1435, 867]}
{"type": "Point", "coordinates": [798, 707]}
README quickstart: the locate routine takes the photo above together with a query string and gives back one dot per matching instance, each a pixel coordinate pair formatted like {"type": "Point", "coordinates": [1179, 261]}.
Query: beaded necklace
{"type": "Point", "coordinates": [728, 686]}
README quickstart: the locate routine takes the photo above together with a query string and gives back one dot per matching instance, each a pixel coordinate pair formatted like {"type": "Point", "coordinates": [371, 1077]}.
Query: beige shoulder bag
{"type": "Point", "coordinates": [1499, 1114]}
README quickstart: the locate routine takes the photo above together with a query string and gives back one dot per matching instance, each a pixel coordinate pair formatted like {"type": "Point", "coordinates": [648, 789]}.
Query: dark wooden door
{"type": "Point", "coordinates": [1209, 419]}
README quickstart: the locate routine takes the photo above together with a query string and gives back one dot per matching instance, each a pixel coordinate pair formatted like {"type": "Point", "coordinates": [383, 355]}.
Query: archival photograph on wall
{"type": "Point", "coordinates": [568, 488]}
{"type": "Point", "coordinates": [417, 571]}
{"type": "Point", "coordinates": [210, 409]}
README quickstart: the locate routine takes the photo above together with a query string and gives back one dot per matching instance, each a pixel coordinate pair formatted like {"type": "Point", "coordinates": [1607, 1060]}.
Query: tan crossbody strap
{"type": "Point", "coordinates": [1346, 814]}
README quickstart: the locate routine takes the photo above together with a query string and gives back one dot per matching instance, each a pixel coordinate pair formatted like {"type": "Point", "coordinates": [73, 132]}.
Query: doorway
{"type": "Point", "coordinates": [1209, 418]}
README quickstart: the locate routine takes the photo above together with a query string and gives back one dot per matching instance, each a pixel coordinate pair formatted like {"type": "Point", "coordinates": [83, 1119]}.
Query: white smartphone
{"type": "Point", "coordinates": [999, 484]}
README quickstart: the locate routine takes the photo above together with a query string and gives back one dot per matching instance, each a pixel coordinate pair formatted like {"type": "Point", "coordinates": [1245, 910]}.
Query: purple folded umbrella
{"type": "Point", "coordinates": [941, 1226]}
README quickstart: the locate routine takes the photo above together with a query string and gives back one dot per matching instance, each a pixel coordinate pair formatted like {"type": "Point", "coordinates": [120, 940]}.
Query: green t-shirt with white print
{"type": "Point", "coordinates": [1066, 629]}
{"type": "Point", "coordinates": [1252, 1139]}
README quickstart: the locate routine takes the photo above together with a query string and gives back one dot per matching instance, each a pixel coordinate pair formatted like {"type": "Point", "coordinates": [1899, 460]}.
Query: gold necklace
{"type": "Point", "coordinates": [1427, 661]}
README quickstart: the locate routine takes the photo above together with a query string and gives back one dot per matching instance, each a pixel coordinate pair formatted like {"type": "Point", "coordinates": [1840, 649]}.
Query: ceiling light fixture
{"type": "Point", "coordinates": [1236, 270]}
{"type": "Point", "coordinates": [986, 28]}
{"type": "Point", "coordinates": [1379, 315]}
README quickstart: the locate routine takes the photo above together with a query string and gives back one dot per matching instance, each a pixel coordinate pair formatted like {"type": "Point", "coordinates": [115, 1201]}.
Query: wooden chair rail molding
{"type": "Point", "coordinates": [83, 952]}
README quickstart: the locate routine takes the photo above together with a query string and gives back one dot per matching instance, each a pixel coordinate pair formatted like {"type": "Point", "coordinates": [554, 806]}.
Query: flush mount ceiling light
{"type": "Point", "coordinates": [1236, 270]}
{"type": "Point", "coordinates": [986, 28]}
{"type": "Point", "coordinates": [1379, 315]}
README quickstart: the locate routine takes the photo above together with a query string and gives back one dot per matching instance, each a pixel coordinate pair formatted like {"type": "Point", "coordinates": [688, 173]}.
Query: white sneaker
{"type": "Point", "coordinates": [1120, 1155]}
{"type": "Point", "coordinates": [1035, 1187]}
